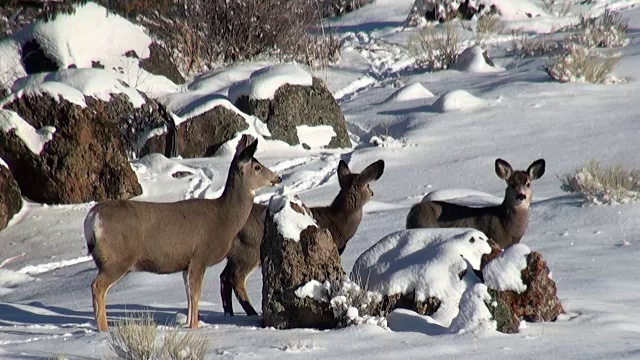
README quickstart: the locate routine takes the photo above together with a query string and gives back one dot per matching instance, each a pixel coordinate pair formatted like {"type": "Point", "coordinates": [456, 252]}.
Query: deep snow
{"type": "Point", "coordinates": [592, 250]}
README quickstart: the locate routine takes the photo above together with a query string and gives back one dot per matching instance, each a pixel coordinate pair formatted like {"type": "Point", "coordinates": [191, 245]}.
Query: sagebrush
{"type": "Point", "coordinates": [613, 184]}
{"type": "Point", "coordinates": [607, 30]}
{"type": "Point", "coordinates": [136, 337]}
{"type": "Point", "coordinates": [579, 64]}
{"type": "Point", "coordinates": [436, 47]}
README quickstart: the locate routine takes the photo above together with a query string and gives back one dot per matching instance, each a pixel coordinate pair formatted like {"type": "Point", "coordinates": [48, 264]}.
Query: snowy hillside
{"type": "Point", "coordinates": [434, 130]}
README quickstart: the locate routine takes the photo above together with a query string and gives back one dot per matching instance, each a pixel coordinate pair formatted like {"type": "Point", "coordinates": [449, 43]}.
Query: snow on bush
{"type": "Point", "coordinates": [33, 139]}
{"type": "Point", "coordinates": [427, 261]}
{"type": "Point", "coordinates": [290, 222]}
{"type": "Point", "coordinates": [474, 60]}
{"type": "Point", "coordinates": [434, 48]}
{"type": "Point", "coordinates": [607, 30]}
{"type": "Point", "coordinates": [351, 304]}
{"type": "Point", "coordinates": [579, 64]}
{"type": "Point", "coordinates": [474, 315]}
{"type": "Point", "coordinates": [610, 185]}
{"type": "Point", "coordinates": [263, 83]}
{"type": "Point", "coordinates": [504, 273]}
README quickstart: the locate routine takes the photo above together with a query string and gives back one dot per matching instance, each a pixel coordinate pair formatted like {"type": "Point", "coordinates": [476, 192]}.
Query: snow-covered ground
{"type": "Point", "coordinates": [519, 115]}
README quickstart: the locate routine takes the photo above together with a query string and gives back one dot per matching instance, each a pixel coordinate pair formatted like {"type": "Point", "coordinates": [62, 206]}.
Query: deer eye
{"type": "Point", "coordinates": [257, 167]}
{"type": "Point", "coordinates": [528, 184]}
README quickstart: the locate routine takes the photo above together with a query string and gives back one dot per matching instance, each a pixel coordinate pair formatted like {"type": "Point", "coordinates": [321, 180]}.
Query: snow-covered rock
{"type": "Point", "coordinates": [457, 100]}
{"type": "Point", "coordinates": [426, 262]}
{"type": "Point", "coordinates": [474, 59]}
{"type": "Point", "coordinates": [415, 91]}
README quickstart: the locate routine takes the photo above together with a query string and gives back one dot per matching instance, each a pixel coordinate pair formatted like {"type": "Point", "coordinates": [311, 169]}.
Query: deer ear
{"type": "Point", "coordinates": [247, 153]}
{"type": "Point", "coordinates": [503, 169]}
{"type": "Point", "coordinates": [343, 172]}
{"type": "Point", "coordinates": [244, 141]}
{"type": "Point", "coordinates": [536, 169]}
{"type": "Point", "coordinates": [373, 171]}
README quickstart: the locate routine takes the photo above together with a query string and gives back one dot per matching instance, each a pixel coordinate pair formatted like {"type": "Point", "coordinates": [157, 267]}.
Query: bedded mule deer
{"type": "Point", "coordinates": [342, 218]}
{"type": "Point", "coordinates": [505, 223]}
{"type": "Point", "coordinates": [188, 236]}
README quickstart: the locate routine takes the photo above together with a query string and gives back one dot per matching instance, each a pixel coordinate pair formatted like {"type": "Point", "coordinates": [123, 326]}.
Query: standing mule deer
{"type": "Point", "coordinates": [505, 223]}
{"type": "Point", "coordinates": [341, 218]}
{"type": "Point", "coordinates": [162, 238]}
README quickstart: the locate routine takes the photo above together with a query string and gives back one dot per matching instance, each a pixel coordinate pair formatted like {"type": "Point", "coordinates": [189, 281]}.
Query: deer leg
{"type": "Point", "coordinates": [99, 289]}
{"type": "Point", "coordinates": [185, 278]}
{"type": "Point", "coordinates": [226, 289]}
{"type": "Point", "coordinates": [239, 287]}
{"type": "Point", "coordinates": [195, 278]}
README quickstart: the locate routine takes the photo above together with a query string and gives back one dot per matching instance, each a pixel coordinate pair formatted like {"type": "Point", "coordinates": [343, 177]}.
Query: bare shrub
{"type": "Point", "coordinates": [528, 46]}
{"type": "Point", "coordinates": [435, 49]}
{"type": "Point", "coordinates": [557, 9]}
{"type": "Point", "coordinates": [134, 338]}
{"type": "Point", "coordinates": [489, 24]}
{"type": "Point", "coordinates": [185, 346]}
{"type": "Point", "coordinates": [579, 64]}
{"type": "Point", "coordinates": [333, 8]}
{"type": "Point", "coordinates": [607, 30]}
{"type": "Point", "coordinates": [604, 185]}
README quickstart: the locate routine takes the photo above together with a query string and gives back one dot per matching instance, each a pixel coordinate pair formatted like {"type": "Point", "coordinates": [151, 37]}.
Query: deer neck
{"type": "Point", "coordinates": [514, 218]}
{"type": "Point", "coordinates": [346, 215]}
{"type": "Point", "coordinates": [236, 201]}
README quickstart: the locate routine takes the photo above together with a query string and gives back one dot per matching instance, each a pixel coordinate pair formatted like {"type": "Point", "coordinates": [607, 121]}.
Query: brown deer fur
{"type": "Point", "coordinates": [187, 236]}
{"type": "Point", "coordinates": [342, 218]}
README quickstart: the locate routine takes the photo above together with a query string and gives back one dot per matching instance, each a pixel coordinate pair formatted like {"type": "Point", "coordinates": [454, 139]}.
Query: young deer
{"type": "Point", "coordinates": [342, 218]}
{"type": "Point", "coordinates": [162, 238]}
{"type": "Point", "coordinates": [505, 223]}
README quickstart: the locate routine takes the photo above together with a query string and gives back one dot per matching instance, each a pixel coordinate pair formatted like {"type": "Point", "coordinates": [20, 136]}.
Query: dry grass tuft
{"type": "Point", "coordinates": [604, 185]}
{"type": "Point", "coordinates": [579, 64]}
{"type": "Point", "coordinates": [434, 48]}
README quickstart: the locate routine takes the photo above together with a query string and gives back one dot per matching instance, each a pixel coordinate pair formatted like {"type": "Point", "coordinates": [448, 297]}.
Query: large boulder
{"type": "Point", "coordinates": [297, 105]}
{"type": "Point", "coordinates": [296, 252]}
{"type": "Point", "coordinates": [10, 199]}
{"type": "Point", "coordinates": [198, 136]}
{"type": "Point", "coordinates": [521, 288]}
{"type": "Point", "coordinates": [61, 152]}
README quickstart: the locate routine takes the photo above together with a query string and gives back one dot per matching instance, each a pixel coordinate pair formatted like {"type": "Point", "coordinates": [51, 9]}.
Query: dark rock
{"type": "Point", "coordinates": [3, 92]}
{"type": "Point", "coordinates": [539, 302]}
{"type": "Point", "coordinates": [85, 160]}
{"type": "Point", "coordinates": [496, 250]}
{"type": "Point", "coordinates": [160, 63]}
{"type": "Point", "coordinates": [199, 136]}
{"type": "Point", "coordinates": [10, 199]}
{"type": "Point", "coordinates": [408, 301]}
{"type": "Point", "coordinates": [295, 105]}
{"type": "Point", "coordinates": [35, 60]}
{"type": "Point", "coordinates": [286, 266]}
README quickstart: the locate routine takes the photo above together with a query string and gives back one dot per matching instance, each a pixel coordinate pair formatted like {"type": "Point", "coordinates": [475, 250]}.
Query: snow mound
{"type": "Point", "coordinates": [457, 100]}
{"type": "Point", "coordinates": [316, 137]}
{"type": "Point", "coordinates": [33, 139]}
{"type": "Point", "coordinates": [158, 164]}
{"type": "Point", "coordinates": [427, 261]}
{"type": "Point", "coordinates": [290, 223]}
{"type": "Point", "coordinates": [263, 83]}
{"type": "Point", "coordinates": [218, 81]}
{"type": "Point", "coordinates": [464, 197]}
{"type": "Point", "coordinates": [74, 84]}
{"type": "Point", "coordinates": [473, 60]}
{"type": "Point", "coordinates": [504, 273]}
{"type": "Point", "coordinates": [90, 34]}
{"type": "Point", "coordinates": [9, 279]}
{"type": "Point", "coordinates": [515, 9]}
{"type": "Point", "coordinates": [415, 91]}
{"type": "Point", "coordinates": [474, 315]}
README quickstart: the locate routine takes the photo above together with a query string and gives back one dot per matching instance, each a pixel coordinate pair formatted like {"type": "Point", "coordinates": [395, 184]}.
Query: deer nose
{"type": "Point", "coordinates": [278, 180]}
{"type": "Point", "coordinates": [521, 197]}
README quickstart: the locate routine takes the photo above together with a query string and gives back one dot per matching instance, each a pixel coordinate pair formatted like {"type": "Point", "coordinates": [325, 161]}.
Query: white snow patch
{"type": "Point", "coordinates": [457, 100]}
{"type": "Point", "coordinates": [3, 163]}
{"type": "Point", "coordinates": [427, 261]}
{"type": "Point", "coordinates": [353, 87]}
{"type": "Point", "coordinates": [264, 83]}
{"type": "Point", "coordinates": [219, 81]}
{"type": "Point", "coordinates": [313, 289]}
{"type": "Point", "coordinates": [74, 84]}
{"type": "Point", "coordinates": [158, 164]}
{"type": "Point", "coordinates": [415, 91]}
{"type": "Point", "coordinates": [10, 62]}
{"type": "Point", "coordinates": [32, 138]}
{"type": "Point", "coordinates": [315, 136]}
{"type": "Point", "coordinates": [472, 60]}
{"type": "Point", "coordinates": [9, 278]}
{"type": "Point", "coordinates": [43, 268]}
{"type": "Point", "coordinates": [289, 222]}
{"type": "Point", "coordinates": [464, 197]}
{"type": "Point", "coordinates": [504, 273]}
{"type": "Point", "coordinates": [474, 315]}
{"type": "Point", "coordinates": [91, 34]}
